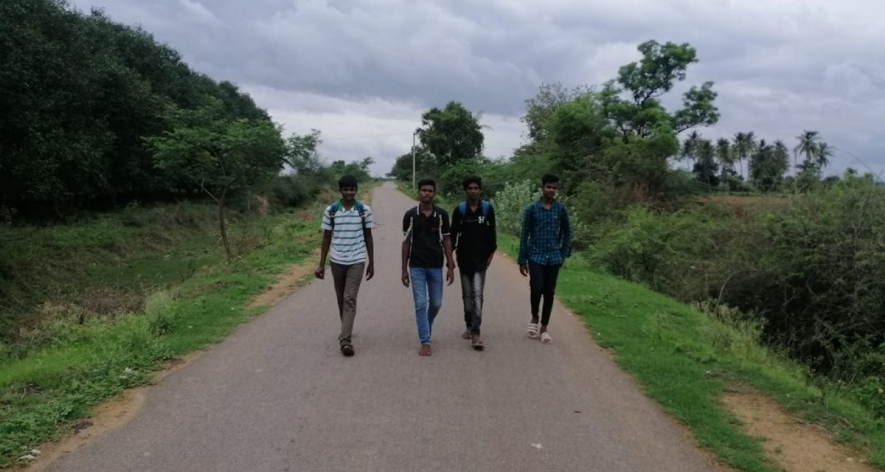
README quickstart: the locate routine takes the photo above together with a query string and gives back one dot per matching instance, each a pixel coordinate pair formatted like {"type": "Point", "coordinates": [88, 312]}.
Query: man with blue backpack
{"type": "Point", "coordinates": [347, 231]}
{"type": "Point", "coordinates": [476, 240]}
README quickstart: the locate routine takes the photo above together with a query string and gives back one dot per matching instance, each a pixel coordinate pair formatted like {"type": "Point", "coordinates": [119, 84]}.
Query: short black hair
{"type": "Point", "coordinates": [549, 179]}
{"type": "Point", "coordinates": [424, 182]}
{"type": "Point", "coordinates": [472, 179]}
{"type": "Point", "coordinates": [347, 181]}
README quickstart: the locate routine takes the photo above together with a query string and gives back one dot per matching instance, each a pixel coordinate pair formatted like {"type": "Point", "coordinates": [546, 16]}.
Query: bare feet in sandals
{"type": "Point", "coordinates": [425, 350]}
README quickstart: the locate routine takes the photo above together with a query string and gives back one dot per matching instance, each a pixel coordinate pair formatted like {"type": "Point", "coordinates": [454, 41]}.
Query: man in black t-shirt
{"type": "Point", "coordinates": [473, 229]}
{"type": "Point", "coordinates": [426, 241]}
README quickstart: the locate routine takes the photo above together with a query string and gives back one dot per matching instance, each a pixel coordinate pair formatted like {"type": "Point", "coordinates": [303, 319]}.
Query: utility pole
{"type": "Point", "coordinates": [413, 158]}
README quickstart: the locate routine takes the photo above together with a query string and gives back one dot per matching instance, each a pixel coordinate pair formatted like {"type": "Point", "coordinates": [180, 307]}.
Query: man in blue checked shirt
{"type": "Point", "coordinates": [544, 243]}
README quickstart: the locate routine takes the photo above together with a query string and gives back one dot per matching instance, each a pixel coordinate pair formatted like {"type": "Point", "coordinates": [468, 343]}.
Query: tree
{"type": "Point", "coordinates": [451, 134]}
{"type": "Point", "coordinates": [808, 145]}
{"type": "Point", "coordinates": [689, 148]}
{"type": "Point", "coordinates": [726, 160]}
{"type": "Point", "coordinates": [402, 167]}
{"type": "Point", "coordinates": [75, 139]}
{"type": "Point", "coordinates": [301, 153]}
{"type": "Point", "coordinates": [650, 78]}
{"type": "Point", "coordinates": [706, 167]}
{"type": "Point", "coordinates": [822, 158]}
{"type": "Point", "coordinates": [744, 147]}
{"type": "Point", "coordinates": [541, 107]}
{"type": "Point", "coordinates": [219, 154]}
{"type": "Point", "coordinates": [768, 165]}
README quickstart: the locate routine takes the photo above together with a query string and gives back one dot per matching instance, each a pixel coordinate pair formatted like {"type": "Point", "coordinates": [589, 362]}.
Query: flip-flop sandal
{"type": "Point", "coordinates": [466, 334]}
{"type": "Point", "coordinates": [347, 350]}
{"type": "Point", "coordinates": [533, 330]}
{"type": "Point", "coordinates": [477, 344]}
{"type": "Point", "coordinates": [545, 338]}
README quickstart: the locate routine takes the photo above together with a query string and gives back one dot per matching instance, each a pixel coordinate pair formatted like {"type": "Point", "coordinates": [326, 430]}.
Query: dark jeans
{"type": "Point", "coordinates": [542, 280]}
{"type": "Point", "coordinates": [472, 284]}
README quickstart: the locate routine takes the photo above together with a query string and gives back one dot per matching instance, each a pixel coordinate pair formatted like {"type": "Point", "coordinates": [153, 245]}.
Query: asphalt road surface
{"type": "Point", "coordinates": [277, 395]}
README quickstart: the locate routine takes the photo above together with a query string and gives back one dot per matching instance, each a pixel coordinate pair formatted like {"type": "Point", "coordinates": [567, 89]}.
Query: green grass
{"type": "Point", "coordinates": [66, 366]}
{"type": "Point", "coordinates": [105, 264]}
{"type": "Point", "coordinates": [685, 358]}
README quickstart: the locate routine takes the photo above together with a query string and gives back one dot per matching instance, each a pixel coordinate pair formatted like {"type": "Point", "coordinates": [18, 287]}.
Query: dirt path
{"type": "Point", "coordinates": [277, 395]}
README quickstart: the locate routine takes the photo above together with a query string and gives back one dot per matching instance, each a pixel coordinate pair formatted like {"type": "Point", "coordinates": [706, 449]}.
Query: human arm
{"type": "Point", "coordinates": [370, 250]}
{"type": "Point", "coordinates": [326, 228]}
{"type": "Point", "coordinates": [522, 257]}
{"type": "Point", "coordinates": [406, 248]}
{"type": "Point", "coordinates": [447, 248]}
{"type": "Point", "coordinates": [493, 235]}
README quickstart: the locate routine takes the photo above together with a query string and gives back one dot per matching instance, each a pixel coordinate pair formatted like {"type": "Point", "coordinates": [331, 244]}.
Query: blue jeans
{"type": "Point", "coordinates": [426, 281]}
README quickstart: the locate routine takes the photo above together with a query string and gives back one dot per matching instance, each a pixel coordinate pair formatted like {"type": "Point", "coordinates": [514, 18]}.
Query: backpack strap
{"type": "Point", "coordinates": [333, 208]}
{"type": "Point", "coordinates": [361, 209]}
{"type": "Point", "coordinates": [485, 209]}
{"type": "Point", "coordinates": [462, 208]}
{"type": "Point", "coordinates": [411, 231]}
{"type": "Point", "coordinates": [440, 226]}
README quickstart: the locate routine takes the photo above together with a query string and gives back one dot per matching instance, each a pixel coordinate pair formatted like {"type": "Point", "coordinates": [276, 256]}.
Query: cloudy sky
{"type": "Point", "coordinates": [362, 71]}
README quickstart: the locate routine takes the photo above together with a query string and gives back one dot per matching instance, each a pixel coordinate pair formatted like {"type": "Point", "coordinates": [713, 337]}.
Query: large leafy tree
{"type": "Point", "coordinates": [302, 155]}
{"type": "Point", "coordinates": [542, 106]}
{"type": "Point", "coordinates": [661, 66]}
{"type": "Point", "coordinates": [219, 154]}
{"type": "Point", "coordinates": [451, 134]}
{"type": "Point", "coordinates": [78, 93]}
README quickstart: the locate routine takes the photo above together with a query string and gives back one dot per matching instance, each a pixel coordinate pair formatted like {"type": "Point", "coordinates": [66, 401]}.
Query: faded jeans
{"type": "Point", "coordinates": [426, 281]}
{"type": "Point", "coordinates": [472, 285]}
{"type": "Point", "coordinates": [347, 285]}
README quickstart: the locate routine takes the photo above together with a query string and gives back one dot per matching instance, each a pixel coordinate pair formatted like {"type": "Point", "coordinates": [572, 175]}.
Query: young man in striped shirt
{"type": "Point", "coordinates": [347, 230]}
{"type": "Point", "coordinates": [544, 243]}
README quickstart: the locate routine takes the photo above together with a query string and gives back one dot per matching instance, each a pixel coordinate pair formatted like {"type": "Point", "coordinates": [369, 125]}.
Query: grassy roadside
{"type": "Point", "coordinates": [85, 359]}
{"type": "Point", "coordinates": [686, 358]}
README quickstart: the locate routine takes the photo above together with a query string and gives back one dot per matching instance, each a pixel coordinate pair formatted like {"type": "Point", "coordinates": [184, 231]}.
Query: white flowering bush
{"type": "Point", "coordinates": [511, 202]}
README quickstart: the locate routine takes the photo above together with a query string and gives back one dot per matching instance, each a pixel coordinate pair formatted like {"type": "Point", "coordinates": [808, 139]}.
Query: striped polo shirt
{"type": "Point", "coordinates": [348, 242]}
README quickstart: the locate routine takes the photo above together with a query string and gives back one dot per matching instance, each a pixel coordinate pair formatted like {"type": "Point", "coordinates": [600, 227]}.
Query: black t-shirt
{"type": "Point", "coordinates": [475, 237]}
{"type": "Point", "coordinates": [426, 234]}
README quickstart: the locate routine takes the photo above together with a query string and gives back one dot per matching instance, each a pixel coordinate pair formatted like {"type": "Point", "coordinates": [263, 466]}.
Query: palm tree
{"type": "Point", "coordinates": [781, 156]}
{"type": "Point", "coordinates": [706, 166]}
{"type": "Point", "coordinates": [726, 158]}
{"type": "Point", "coordinates": [744, 145]}
{"type": "Point", "coordinates": [758, 164]}
{"type": "Point", "coordinates": [824, 153]}
{"type": "Point", "coordinates": [689, 148]}
{"type": "Point", "coordinates": [808, 143]}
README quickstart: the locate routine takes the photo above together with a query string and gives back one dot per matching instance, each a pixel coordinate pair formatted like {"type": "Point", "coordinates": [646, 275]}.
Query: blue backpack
{"type": "Point", "coordinates": [462, 209]}
{"type": "Point", "coordinates": [360, 208]}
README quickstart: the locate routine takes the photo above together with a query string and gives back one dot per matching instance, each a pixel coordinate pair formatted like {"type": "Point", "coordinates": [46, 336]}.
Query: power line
{"type": "Point", "coordinates": [339, 138]}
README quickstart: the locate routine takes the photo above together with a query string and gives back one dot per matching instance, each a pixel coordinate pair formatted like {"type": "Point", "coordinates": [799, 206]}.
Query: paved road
{"type": "Point", "coordinates": [278, 396]}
